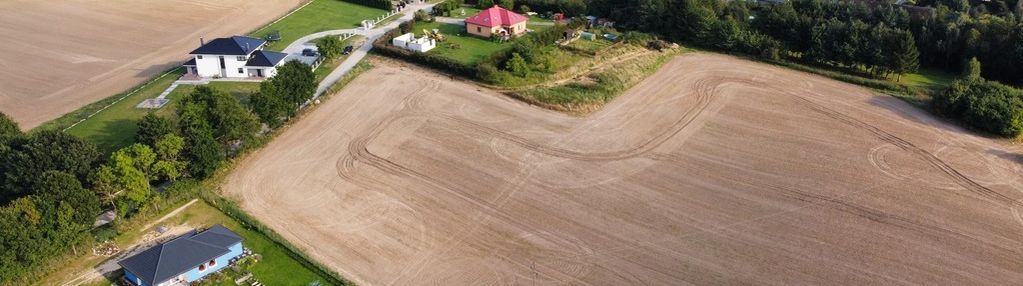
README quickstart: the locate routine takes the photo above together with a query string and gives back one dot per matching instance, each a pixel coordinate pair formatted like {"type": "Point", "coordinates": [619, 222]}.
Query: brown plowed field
{"type": "Point", "coordinates": [713, 171]}
{"type": "Point", "coordinates": [59, 55]}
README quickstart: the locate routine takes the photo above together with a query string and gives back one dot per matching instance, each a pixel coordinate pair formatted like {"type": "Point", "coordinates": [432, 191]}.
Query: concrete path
{"type": "Point", "coordinates": [372, 35]}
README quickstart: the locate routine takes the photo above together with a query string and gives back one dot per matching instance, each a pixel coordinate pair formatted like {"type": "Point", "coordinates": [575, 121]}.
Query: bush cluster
{"type": "Point", "coordinates": [982, 104]}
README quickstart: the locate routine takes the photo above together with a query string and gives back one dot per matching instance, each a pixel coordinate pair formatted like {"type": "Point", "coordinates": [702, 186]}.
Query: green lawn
{"type": "Point", "coordinates": [930, 80]}
{"type": "Point", "coordinates": [115, 127]}
{"type": "Point", "coordinates": [459, 45]}
{"type": "Point", "coordinates": [320, 15]}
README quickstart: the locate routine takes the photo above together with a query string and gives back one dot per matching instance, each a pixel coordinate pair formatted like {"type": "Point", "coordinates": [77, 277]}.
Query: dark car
{"type": "Point", "coordinates": [273, 36]}
{"type": "Point", "coordinates": [348, 50]}
{"type": "Point", "coordinates": [309, 52]}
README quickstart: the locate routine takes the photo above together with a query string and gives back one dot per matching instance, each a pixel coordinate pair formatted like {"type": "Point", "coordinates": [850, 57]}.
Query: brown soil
{"type": "Point", "coordinates": [713, 171]}
{"type": "Point", "coordinates": [57, 56]}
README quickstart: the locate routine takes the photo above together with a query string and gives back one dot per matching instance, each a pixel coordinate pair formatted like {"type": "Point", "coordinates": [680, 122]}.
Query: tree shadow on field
{"type": "Point", "coordinates": [924, 116]}
{"type": "Point", "coordinates": [157, 69]}
{"type": "Point", "coordinates": [1012, 157]}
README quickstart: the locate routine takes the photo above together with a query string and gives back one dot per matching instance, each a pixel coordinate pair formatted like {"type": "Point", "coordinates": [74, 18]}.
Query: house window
{"type": "Point", "coordinates": [241, 58]}
{"type": "Point", "coordinates": [241, 70]}
{"type": "Point", "coordinates": [212, 263]}
{"type": "Point", "coordinates": [199, 57]}
{"type": "Point", "coordinates": [479, 30]}
{"type": "Point", "coordinates": [202, 267]}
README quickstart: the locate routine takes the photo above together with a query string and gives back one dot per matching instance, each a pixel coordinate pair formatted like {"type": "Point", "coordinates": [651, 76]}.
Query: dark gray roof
{"type": "Point", "coordinates": [237, 46]}
{"type": "Point", "coordinates": [168, 260]}
{"type": "Point", "coordinates": [190, 62]}
{"type": "Point", "coordinates": [265, 59]}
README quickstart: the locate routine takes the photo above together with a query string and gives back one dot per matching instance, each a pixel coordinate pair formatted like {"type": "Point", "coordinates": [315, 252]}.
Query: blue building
{"type": "Point", "coordinates": [184, 259]}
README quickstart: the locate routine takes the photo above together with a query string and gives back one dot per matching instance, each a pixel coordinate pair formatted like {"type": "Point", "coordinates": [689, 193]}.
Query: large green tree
{"type": "Point", "coordinates": [906, 57]}
{"type": "Point", "coordinates": [25, 159]}
{"type": "Point", "coordinates": [203, 153]}
{"type": "Point", "coordinates": [61, 188]}
{"type": "Point", "coordinates": [8, 127]}
{"type": "Point", "coordinates": [168, 150]}
{"type": "Point", "coordinates": [227, 119]}
{"type": "Point", "coordinates": [152, 127]}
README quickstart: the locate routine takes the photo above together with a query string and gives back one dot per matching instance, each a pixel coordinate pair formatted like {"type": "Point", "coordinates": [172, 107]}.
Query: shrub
{"type": "Point", "coordinates": [982, 104]}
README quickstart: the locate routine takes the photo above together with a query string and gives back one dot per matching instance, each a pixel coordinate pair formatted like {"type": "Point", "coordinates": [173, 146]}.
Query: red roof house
{"type": "Point", "coordinates": [496, 21]}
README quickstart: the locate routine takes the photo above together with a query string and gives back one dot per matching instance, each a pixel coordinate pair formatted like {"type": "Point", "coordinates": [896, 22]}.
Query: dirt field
{"type": "Point", "coordinates": [57, 56]}
{"type": "Point", "coordinates": [714, 171]}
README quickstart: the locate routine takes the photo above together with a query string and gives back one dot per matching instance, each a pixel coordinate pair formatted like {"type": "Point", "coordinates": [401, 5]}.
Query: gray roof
{"type": "Point", "coordinates": [265, 59]}
{"type": "Point", "coordinates": [236, 46]}
{"type": "Point", "coordinates": [179, 255]}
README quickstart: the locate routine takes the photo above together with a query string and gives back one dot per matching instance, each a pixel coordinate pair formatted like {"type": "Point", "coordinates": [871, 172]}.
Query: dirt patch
{"type": "Point", "coordinates": [713, 171]}
{"type": "Point", "coordinates": [57, 56]}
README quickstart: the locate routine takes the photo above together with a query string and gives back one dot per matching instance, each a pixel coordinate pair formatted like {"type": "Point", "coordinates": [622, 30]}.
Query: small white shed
{"type": "Point", "coordinates": [410, 42]}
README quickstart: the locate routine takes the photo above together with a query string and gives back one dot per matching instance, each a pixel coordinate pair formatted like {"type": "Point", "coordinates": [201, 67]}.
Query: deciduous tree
{"type": "Point", "coordinates": [152, 127]}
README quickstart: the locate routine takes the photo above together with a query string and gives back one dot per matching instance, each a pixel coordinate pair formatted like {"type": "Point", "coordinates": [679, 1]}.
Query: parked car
{"type": "Point", "coordinates": [348, 50]}
{"type": "Point", "coordinates": [273, 36]}
{"type": "Point", "coordinates": [309, 52]}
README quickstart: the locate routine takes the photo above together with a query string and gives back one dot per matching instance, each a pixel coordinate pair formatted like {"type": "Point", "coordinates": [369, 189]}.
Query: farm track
{"type": "Point", "coordinates": [713, 171]}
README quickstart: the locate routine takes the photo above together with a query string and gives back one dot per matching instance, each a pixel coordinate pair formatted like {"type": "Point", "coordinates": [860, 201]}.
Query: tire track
{"type": "Point", "coordinates": [932, 160]}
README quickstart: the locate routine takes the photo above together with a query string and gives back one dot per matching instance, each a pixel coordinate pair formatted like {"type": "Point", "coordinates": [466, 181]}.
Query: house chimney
{"type": "Point", "coordinates": [202, 42]}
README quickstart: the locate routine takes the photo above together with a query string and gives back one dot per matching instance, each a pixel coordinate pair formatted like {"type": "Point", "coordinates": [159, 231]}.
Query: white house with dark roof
{"type": "Point", "coordinates": [184, 259]}
{"type": "Point", "coordinates": [234, 57]}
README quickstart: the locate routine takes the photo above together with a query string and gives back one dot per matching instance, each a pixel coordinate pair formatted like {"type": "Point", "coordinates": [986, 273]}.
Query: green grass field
{"type": "Point", "coordinates": [115, 127]}
{"type": "Point", "coordinates": [319, 16]}
{"type": "Point", "coordinates": [929, 80]}
{"type": "Point", "coordinates": [459, 45]}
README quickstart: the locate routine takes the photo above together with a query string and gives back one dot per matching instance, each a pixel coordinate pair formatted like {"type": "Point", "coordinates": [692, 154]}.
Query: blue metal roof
{"type": "Point", "coordinates": [235, 46]}
{"type": "Point", "coordinates": [170, 259]}
{"type": "Point", "coordinates": [265, 59]}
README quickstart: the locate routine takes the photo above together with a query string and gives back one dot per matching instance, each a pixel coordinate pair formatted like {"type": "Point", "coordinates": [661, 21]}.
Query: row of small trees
{"type": "Point", "coordinates": [53, 184]}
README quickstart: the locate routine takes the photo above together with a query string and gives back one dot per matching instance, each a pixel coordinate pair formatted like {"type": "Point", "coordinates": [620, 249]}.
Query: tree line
{"type": "Point", "coordinates": [875, 38]}
{"type": "Point", "coordinates": [53, 185]}
{"type": "Point", "coordinates": [880, 41]}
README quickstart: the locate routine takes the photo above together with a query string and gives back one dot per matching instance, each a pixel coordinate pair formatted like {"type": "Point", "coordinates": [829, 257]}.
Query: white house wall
{"type": "Point", "coordinates": [209, 66]}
